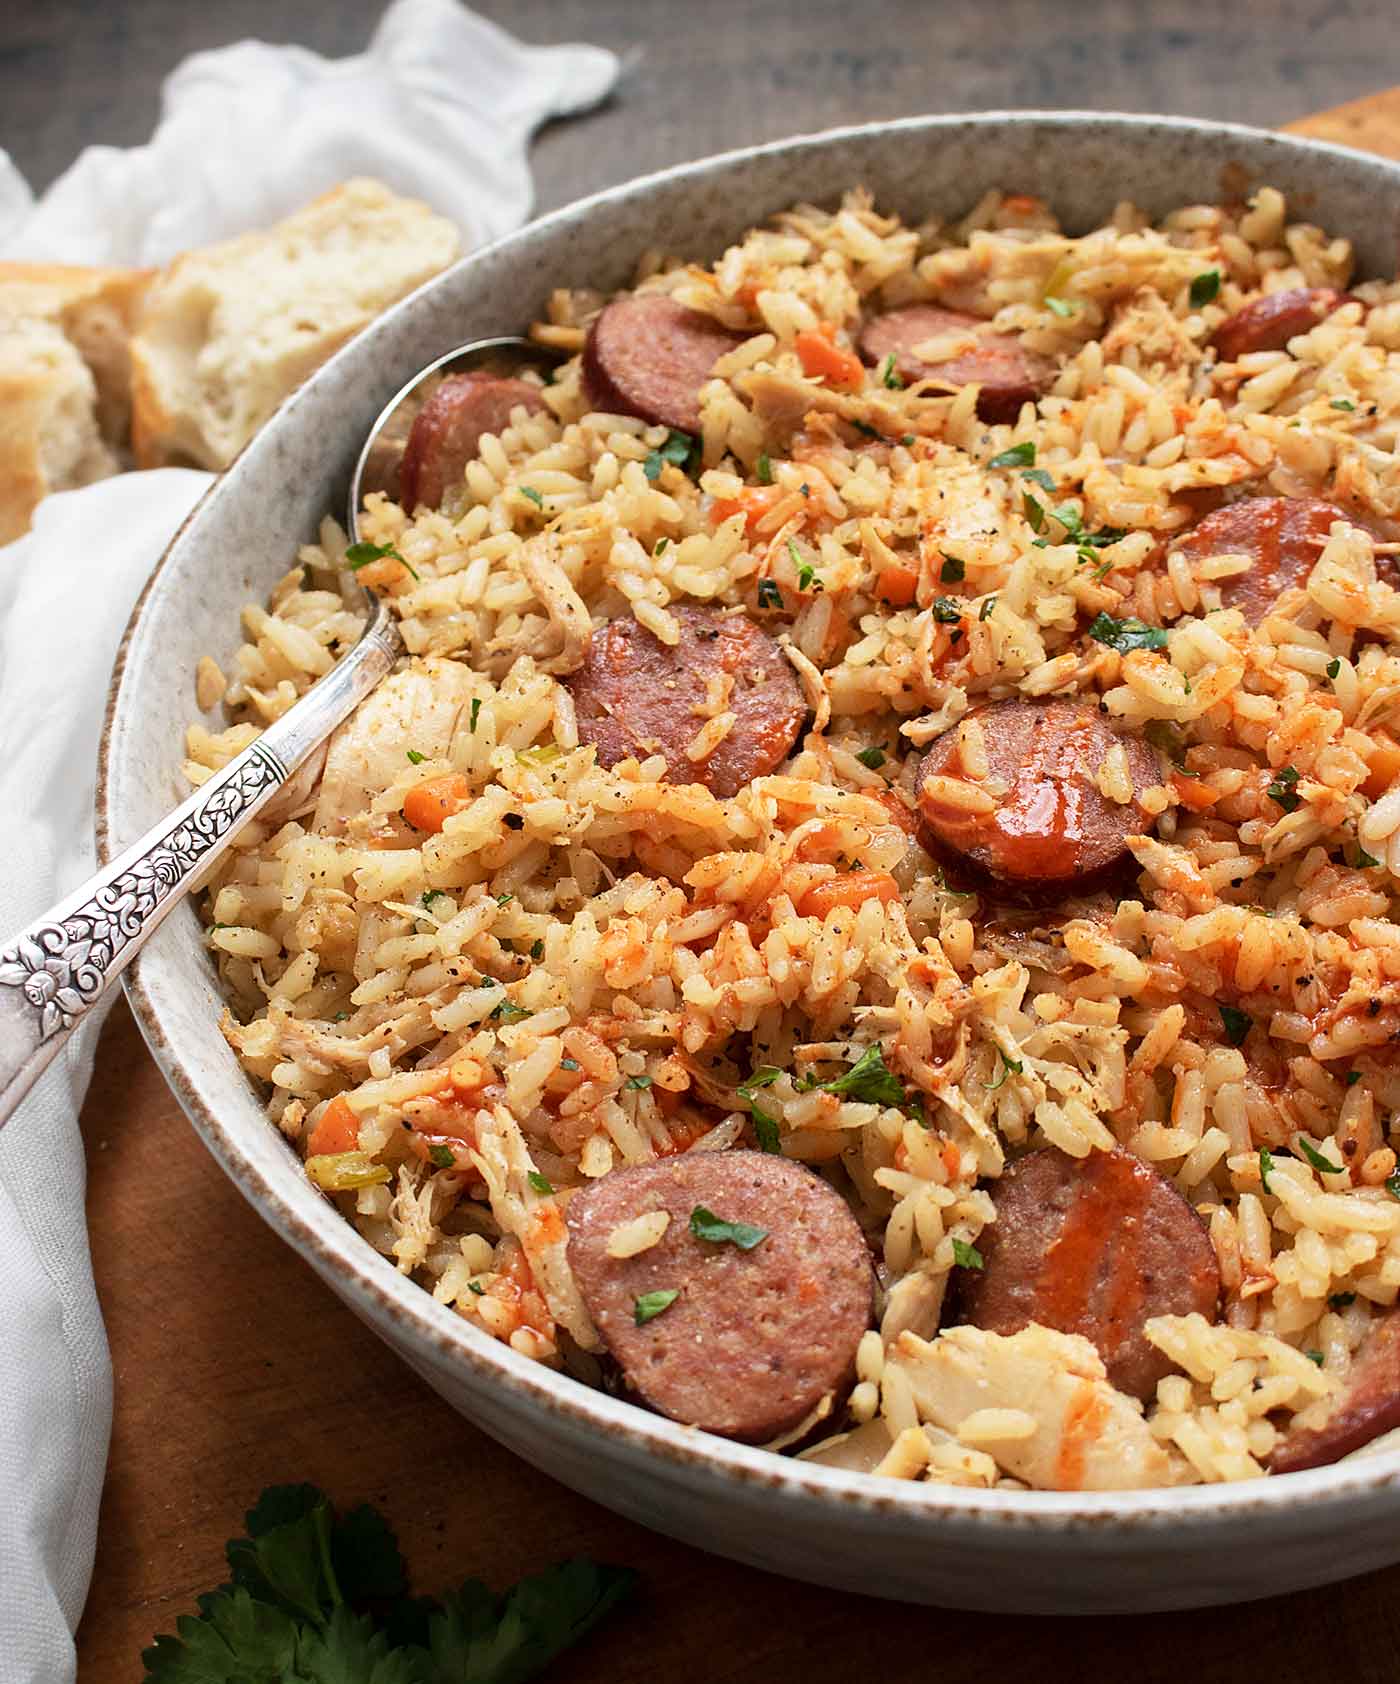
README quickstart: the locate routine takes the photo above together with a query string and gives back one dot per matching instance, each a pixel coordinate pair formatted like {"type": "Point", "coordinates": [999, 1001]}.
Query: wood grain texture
{"type": "Point", "coordinates": [234, 1367]}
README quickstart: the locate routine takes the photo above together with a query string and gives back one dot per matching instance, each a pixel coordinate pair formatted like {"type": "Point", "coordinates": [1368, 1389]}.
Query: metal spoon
{"type": "Point", "coordinates": [54, 971]}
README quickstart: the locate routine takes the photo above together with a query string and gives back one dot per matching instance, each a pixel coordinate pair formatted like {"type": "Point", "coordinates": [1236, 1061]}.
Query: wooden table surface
{"type": "Point", "coordinates": [234, 1367]}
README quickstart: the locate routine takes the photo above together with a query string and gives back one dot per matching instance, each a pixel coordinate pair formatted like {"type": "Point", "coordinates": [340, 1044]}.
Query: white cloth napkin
{"type": "Point", "coordinates": [442, 106]}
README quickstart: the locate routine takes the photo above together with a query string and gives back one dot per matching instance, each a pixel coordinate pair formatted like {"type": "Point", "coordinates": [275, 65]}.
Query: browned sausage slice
{"type": "Point", "coordinates": [1093, 1246]}
{"type": "Point", "coordinates": [1368, 1406]}
{"type": "Point", "coordinates": [1283, 536]}
{"type": "Point", "coordinates": [447, 431]}
{"type": "Point", "coordinates": [635, 695]}
{"type": "Point", "coordinates": [1039, 817]}
{"type": "Point", "coordinates": [1008, 374]}
{"type": "Point", "coordinates": [1270, 322]}
{"type": "Point", "coordinates": [754, 1339]}
{"type": "Point", "coordinates": [648, 356]}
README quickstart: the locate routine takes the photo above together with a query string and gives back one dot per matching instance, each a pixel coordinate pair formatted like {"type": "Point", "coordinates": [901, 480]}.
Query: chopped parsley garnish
{"type": "Point", "coordinates": [1236, 1024]}
{"type": "Point", "coordinates": [1341, 403]}
{"type": "Point", "coordinates": [541, 1183]}
{"type": "Point", "coordinates": [1019, 456]}
{"type": "Point", "coordinates": [1333, 668]}
{"type": "Point", "coordinates": [1162, 734]}
{"type": "Point", "coordinates": [1316, 1159]}
{"type": "Point", "coordinates": [442, 1156]}
{"type": "Point", "coordinates": [872, 757]}
{"type": "Point", "coordinates": [966, 1256]}
{"type": "Point", "coordinates": [651, 1304]}
{"type": "Point", "coordinates": [1039, 476]}
{"type": "Point", "coordinates": [763, 469]}
{"type": "Point", "coordinates": [769, 596]}
{"type": "Point", "coordinates": [1283, 789]}
{"type": "Point", "coordinates": [889, 375]}
{"type": "Point", "coordinates": [1124, 635]}
{"type": "Point", "coordinates": [415, 758]}
{"type": "Point", "coordinates": [322, 1598]}
{"type": "Point", "coordinates": [705, 1225]}
{"type": "Point", "coordinates": [680, 450]}
{"type": "Point", "coordinates": [362, 554]}
{"type": "Point", "coordinates": [907, 440]}
{"type": "Point", "coordinates": [476, 709]}
{"type": "Point", "coordinates": [1314, 1356]}
{"type": "Point", "coordinates": [534, 496]}
{"type": "Point", "coordinates": [1353, 1077]}
{"type": "Point", "coordinates": [1266, 1164]}
{"type": "Point", "coordinates": [509, 1012]}
{"type": "Point", "coordinates": [985, 612]}
{"type": "Point", "coordinates": [637, 1082]}
{"type": "Point", "coordinates": [1033, 511]}
{"type": "Point", "coordinates": [1060, 306]}
{"type": "Point", "coordinates": [1392, 1185]}
{"type": "Point", "coordinates": [1340, 1300]}
{"type": "Point", "coordinates": [1009, 1067]}
{"type": "Point", "coordinates": [765, 1125]}
{"type": "Point", "coordinates": [868, 1080]}
{"type": "Point", "coordinates": [953, 570]}
{"type": "Point", "coordinates": [568, 1064]}
{"type": "Point", "coordinates": [477, 1288]}
{"type": "Point", "coordinates": [946, 611]}
{"type": "Point", "coordinates": [504, 900]}
{"type": "Point", "coordinates": [1204, 288]}
{"type": "Point", "coordinates": [1363, 859]}
{"type": "Point", "coordinates": [426, 899]}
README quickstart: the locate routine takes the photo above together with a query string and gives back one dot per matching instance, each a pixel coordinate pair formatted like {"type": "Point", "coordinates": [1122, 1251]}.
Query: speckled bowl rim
{"type": "Point", "coordinates": [382, 1295]}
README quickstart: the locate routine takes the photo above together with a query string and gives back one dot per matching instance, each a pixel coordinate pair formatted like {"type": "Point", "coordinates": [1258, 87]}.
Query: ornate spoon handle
{"type": "Point", "coordinates": [54, 972]}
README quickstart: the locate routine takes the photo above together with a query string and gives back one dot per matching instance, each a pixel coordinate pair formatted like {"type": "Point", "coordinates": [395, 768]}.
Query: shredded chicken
{"type": "Point", "coordinates": [417, 707]}
{"type": "Point", "coordinates": [504, 1163]}
{"type": "Point", "coordinates": [565, 607]}
{"type": "Point", "coordinates": [1088, 1437]}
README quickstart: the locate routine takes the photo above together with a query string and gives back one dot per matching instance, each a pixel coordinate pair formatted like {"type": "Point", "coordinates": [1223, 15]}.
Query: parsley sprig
{"type": "Point", "coordinates": [321, 1598]}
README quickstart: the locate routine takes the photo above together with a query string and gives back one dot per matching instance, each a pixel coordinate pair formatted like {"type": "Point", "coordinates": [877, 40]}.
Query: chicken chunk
{"type": "Point", "coordinates": [1088, 1437]}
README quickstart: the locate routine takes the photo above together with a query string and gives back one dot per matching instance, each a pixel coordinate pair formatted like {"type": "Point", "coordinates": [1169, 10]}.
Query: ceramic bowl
{"type": "Point", "coordinates": [1034, 1552]}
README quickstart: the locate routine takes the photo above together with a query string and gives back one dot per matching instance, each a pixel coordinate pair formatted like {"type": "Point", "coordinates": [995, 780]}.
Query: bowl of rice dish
{"type": "Point", "coordinates": [842, 999]}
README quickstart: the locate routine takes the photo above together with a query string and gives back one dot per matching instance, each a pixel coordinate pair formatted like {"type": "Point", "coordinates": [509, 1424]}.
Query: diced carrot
{"type": "Point", "coordinates": [753, 502]}
{"type": "Point", "coordinates": [823, 359]}
{"type": "Point", "coordinates": [429, 805]}
{"type": "Point", "coordinates": [337, 1131]}
{"type": "Point", "coordinates": [897, 586]}
{"type": "Point", "coordinates": [850, 889]}
{"type": "Point", "coordinates": [1192, 793]}
{"type": "Point", "coordinates": [1384, 762]}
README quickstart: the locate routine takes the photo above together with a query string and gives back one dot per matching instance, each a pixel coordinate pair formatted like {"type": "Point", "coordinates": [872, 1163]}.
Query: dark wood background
{"type": "Point", "coordinates": [704, 75]}
{"type": "Point", "coordinates": [234, 1367]}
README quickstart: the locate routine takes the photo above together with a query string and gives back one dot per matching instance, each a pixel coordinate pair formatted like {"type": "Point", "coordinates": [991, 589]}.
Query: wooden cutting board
{"type": "Point", "coordinates": [235, 1368]}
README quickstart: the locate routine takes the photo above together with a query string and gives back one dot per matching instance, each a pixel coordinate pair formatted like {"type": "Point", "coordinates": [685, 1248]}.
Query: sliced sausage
{"type": "Point", "coordinates": [1008, 374]}
{"type": "Point", "coordinates": [1270, 322]}
{"type": "Point", "coordinates": [1283, 536]}
{"type": "Point", "coordinates": [1368, 1406]}
{"type": "Point", "coordinates": [1093, 1246]}
{"type": "Point", "coordinates": [635, 695]}
{"type": "Point", "coordinates": [754, 1339]}
{"type": "Point", "coordinates": [648, 356]}
{"type": "Point", "coordinates": [1039, 817]}
{"type": "Point", "coordinates": [448, 429]}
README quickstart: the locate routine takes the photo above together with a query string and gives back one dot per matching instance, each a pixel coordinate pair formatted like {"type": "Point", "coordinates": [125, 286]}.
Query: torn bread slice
{"type": "Point", "coordinates": [96, 310]}
{"type": "Point", "coordinates": [49, 436]}
{"type": "Point", "coordinates": [227, 332]}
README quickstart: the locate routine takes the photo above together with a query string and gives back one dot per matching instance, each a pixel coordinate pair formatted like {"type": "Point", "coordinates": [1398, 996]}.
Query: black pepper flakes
{"type": "Point", "coordinates": [514, 821]}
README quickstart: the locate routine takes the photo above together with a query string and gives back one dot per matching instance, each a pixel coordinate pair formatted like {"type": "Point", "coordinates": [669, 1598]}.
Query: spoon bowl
{"type": "Point", "coordinates": [377, 468]}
